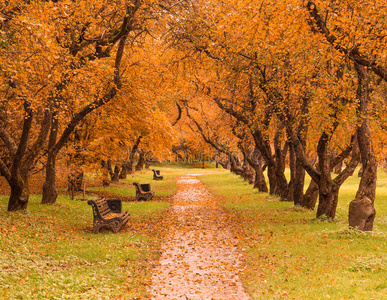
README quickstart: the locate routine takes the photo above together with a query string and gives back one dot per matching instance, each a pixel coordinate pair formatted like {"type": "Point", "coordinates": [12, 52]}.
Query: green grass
{"type": "Point", "coordinates": [162, 188]}
{"type": "Point", "coordinates": [49, 252]}
{"type": "Point", "coordinates": [290, 254]}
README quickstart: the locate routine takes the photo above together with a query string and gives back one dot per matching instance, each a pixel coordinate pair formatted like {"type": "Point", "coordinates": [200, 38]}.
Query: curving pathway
{"type": "Point", "coordinates": [200, 258]}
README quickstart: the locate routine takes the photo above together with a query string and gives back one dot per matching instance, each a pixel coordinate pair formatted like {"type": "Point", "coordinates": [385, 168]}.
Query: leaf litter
{"type": "Point", "coordinates": [200, 258]}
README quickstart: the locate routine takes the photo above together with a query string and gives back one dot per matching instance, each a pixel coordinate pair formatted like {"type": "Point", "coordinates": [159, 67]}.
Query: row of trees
{"type": "Point", "coordinates": [298, 80]}
{"type": "Point", "coordinates": [61, 61]}
{"type": "Point", "coordinates": [268, 83]}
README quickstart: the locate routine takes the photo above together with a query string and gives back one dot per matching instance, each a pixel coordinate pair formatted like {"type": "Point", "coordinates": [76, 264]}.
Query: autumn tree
{"type": "Point", "coordinates": [80, 35]}
{"type": "Point", "coordinates": [276, 82]}
{"type": "Point", "coordinates": [356, 31]}
{"type": "Point", "coordinates": [26, 78]}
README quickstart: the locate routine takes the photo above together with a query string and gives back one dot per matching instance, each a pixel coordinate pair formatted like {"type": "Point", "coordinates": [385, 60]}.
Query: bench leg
{"type": "Point", "coordinates": [115, 226]}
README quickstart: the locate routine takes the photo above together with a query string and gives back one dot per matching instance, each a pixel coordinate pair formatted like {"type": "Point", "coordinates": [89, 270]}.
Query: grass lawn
{"type": "Point", "coordinates": [162, 188]}
{"type": "Point", "coordinates": [50, 252]}
{"type": "Point", "coordinates": [291, 255]}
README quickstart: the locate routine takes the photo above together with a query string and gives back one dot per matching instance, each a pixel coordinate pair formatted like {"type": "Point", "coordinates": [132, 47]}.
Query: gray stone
{"type": "Point", "coordinates": [361, 214]}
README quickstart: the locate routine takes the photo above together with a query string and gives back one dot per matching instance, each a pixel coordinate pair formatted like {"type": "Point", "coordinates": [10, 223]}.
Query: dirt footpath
{"type": "Point", "coordinates": [200, 258]}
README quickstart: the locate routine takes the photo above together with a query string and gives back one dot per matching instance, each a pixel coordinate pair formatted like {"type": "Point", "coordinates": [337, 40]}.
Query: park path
{"type": "Point", "coordinates": [200, 258]}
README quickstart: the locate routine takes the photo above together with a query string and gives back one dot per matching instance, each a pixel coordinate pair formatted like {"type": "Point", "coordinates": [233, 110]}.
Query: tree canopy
{"type": "Point", "coordinates": [257, 85]}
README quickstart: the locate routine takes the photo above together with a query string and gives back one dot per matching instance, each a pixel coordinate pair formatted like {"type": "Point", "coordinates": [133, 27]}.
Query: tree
{"type": "Point", "coordinates": [103, 44]}
{"type": "Point", "coordinates": [364, 47]}
{"type": "Point", "coordinates": [25, 81]}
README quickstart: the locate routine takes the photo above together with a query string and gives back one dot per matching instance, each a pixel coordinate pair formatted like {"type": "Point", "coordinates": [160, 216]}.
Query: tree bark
{"type": "Point", "coordinates": [255, 160]}
{"type": "Point", "coordinates": [367, 186]}
{"type": "Point", "coordinates": [124, 170]}
{"type": "Point", "coordinates": [259, 179]}
{"type": "Point", "coordinates": [19, 197]}
{"type": "Point", "coordinates": [297, 178]}
{"type": "Point", "coordinates": [327, 192]}
{"type": "Point", "coordinates": [141, 161]}
{"type": "Point", "coordinates": [277, 181]}
{"type": "Point", "coordinates": [50, 192]}
{"type": "Point", "coordinates": [309, 199]}
{"type": "Point", "coordinates": [278, 184]}
{"type": "Point", "coordinates": [18, 175]}
{"type": "Point", "coordinates": [129, 164]}
{"type": "Point", "coordinates": [105, 173]}
{"type": "Point", "coordinates": [235, 165]}
{"type": "Point", "coordinates": [75, 180]}
{"type": "Point", "coordinates": [114, 175]}
{"type": "Point", "coordinates": [337, 169]}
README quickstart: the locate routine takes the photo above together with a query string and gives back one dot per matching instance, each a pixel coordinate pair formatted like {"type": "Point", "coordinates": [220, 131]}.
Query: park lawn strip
{"type": "Point", "coordinates": [291, 254]}
{"type": "Point", "coordinates": [50, 252]}
{"type": "Point", "coordinates": [163, 188]}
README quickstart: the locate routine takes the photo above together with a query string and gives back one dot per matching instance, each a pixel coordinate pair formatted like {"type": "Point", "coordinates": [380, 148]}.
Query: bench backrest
{"type": "Point", "coordinates": [156, 172]}
{"type": "Point", "coordinates": [138, 188]}
{"type": "Point", "coordinates": [145, 187]}
{"type": "Point", "coordinates": [142, 188]}
{"type": "Point", "coordinates": [115, 205]}
{"type": "Point", "coordinates": [100, 207]}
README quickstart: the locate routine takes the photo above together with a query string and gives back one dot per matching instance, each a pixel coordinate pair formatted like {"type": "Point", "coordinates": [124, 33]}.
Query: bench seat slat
{"type": "Point", "coordinates": [104, 210]}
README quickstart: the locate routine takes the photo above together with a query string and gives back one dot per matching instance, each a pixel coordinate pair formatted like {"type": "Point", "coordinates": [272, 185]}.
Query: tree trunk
{"type": "Point", "coordinates": [76, 178]}
{"type": "Point", "coordinates": [124, 171]}
{"type": "Point", "coordinates": [337, 169]}
{"type": "Point", "coordinates": [19, 197]}
{"type": "Point", "coordinates": [115, 175]}
{"type": "Point", "coordinates": [129, 167]}
{"type": "Point", "coordinates": [247, 170]}
{"type": "Point", "coordinates": [224, 163]}
{"type": "Point", "coordinates": [277, 181]}
{"type": "Point", "coordinates": [326, 193]}
{"type": "Point", "coordinates": [255, 161]}
{"type": "Point", "coordinates": [310, 197]}
{"type": "Point", "coordinates": [259, 180]}
{"type": "Point", "coordinates": [235, 165]}
{"type": "Point", "coordinates": [141, 161]}
{"type": "Point", "coordinates": [360, 173]}
{"type": "Point", "coordinates": [367, 186]}
{"type": "Point", "coordinates": [147, 164]}
{"type": "Point", "coordinates": [132, 155]}
{"type": "Point", "coordinates": [50, 193]}
{"type": "Point", "coordinates": [17, 176]}
{"type": "Point", "coordinates": [298, 183]}
{"type": "Point", "coordinates": [328, 200]}
{"type": "Point", "coordinates": [105, 173]}
{"type": "Point", "coordinates": [297, 177]}
{"type": "Point", "coordinates": [292, 165]}
{"type": "Point", "coordinates": [328, 187]}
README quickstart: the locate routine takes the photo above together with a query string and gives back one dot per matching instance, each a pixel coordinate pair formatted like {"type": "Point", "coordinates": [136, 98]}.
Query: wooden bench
{"type": "Point", "coordinates": [156, 175]}
{"type": "Point", "coordinates": [143, 191]}
{"type": "Point", "coordinates": [104, 216]}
